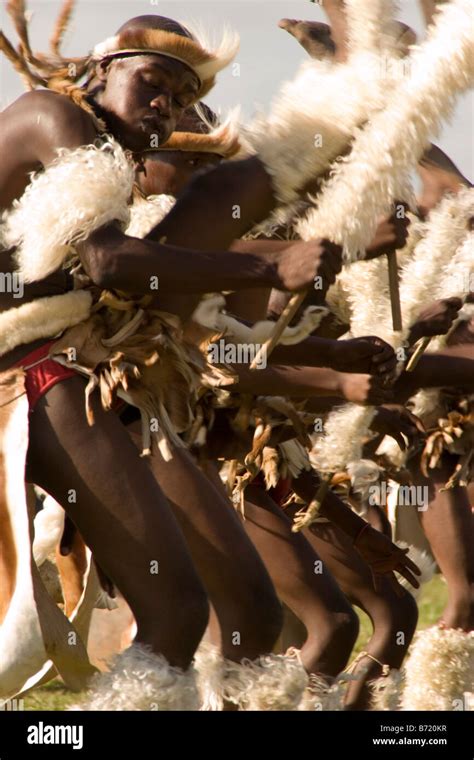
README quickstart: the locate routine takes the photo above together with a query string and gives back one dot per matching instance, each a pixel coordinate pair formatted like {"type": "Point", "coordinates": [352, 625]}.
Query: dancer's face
{"type": "Point", "coordinates": [145, 97]}
{"type": "Point", "coordinates": [170, 171]}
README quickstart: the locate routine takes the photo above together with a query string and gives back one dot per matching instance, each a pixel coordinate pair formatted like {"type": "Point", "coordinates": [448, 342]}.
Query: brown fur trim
{"type": "Point", "coordinates": [205, 63]}
{"type": "Point", "coordinates": [219, 142]}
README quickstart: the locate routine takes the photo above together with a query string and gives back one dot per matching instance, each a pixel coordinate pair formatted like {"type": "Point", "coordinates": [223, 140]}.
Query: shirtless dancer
{"type": "Point", "coordinates": [143, 95]}
{"type": "Point", "coordinates": [331, 625]}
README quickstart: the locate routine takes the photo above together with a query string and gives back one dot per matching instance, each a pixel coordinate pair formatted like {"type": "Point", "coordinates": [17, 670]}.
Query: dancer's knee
{"type": "Point", "coordinates": [256, 624]}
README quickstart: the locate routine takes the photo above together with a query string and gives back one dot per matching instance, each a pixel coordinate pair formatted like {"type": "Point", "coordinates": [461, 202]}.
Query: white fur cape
{"type": "Point", "coordinates": [80, 191]}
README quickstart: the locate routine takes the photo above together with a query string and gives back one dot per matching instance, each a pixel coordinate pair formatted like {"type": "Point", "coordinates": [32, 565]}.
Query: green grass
{"type": "Point", "coordinates": [54, 696]}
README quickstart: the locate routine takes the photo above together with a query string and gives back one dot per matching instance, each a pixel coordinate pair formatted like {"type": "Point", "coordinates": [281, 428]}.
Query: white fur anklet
{"type": "Point", "coordinates": [272, 682]}
{"type": "Point", "coordinates": [387, 691]}
{"type": "Point", "coordinates": [439, 671]}
{"type": "Point", "coordinates": [141, 680]}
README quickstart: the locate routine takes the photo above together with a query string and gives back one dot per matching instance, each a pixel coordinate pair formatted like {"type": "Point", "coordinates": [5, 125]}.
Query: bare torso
{"type": "Point", "coordinates": [31, 130]}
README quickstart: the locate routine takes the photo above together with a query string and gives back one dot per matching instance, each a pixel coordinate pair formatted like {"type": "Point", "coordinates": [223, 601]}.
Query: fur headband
{"type": "Point", "coordinates": [205, 63]}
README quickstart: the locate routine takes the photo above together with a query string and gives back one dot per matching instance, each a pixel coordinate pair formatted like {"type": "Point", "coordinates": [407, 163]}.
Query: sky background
{"type": "Point", "coordinates": [268, 55]}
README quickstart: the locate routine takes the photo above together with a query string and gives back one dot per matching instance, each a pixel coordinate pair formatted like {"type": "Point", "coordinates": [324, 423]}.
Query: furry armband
{"type": "Point", "coordinates": [82, 190]}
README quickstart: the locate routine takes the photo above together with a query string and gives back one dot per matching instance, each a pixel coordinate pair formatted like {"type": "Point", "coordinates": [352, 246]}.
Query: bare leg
{"type": "Point", "coordinates": [304, 584]}
{"type": "Point", "coordinates": [393, 618]}
{"type": "Point", "coordinates": [95, 473]}
{"type": "Point", "coordinates": [239, 587]}
{"type": "Point", "coordinates": [449, 527]}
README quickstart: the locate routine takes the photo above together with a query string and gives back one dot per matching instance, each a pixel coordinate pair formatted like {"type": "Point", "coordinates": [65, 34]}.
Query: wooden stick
{"type": "Point", "coordinates": [394, 291]}
{"type": "Point", "coordinates": [420, 349]}
{"type": "Point", "coordinates": [284, 320]}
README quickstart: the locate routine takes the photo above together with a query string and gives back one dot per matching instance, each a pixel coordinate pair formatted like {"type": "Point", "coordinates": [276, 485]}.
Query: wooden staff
{"type": "Point", "coordinates": [297, 300]}
{"type": "Point", "coordinates": [284, 320]}
{"type": "Point", "coordinates": [420, 349]}
{"type": "Point", "coordinates": [394, 291]}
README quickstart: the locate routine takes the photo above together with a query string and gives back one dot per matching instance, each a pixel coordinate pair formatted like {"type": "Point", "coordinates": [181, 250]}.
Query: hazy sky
{"type": "Point", "coordinates": [268, 55]}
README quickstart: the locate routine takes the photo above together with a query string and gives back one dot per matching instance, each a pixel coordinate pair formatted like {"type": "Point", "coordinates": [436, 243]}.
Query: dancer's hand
{"type": "Point", "coordinates": [301, 263]}
{"type": "Point", "coordinates": [399, 423]}
{"type": "Point", "coordinates": [391, 233]}
{"type": "Point", "coordinates": [368, 354]}
{"type": "Point", "coordinates": [384, 558]}
{"type": "Point", "coordinates": [367, 390]}
{"type": "Point", "coordinates": [436, 319]}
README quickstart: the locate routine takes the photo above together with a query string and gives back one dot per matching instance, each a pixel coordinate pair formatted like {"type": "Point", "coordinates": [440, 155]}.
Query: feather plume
{"type": "Point", "coordinates": [62, 23]}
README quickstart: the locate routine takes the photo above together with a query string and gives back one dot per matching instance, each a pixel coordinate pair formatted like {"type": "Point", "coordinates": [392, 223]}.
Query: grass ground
{"type": "Point", "coordinates": [54, 696]}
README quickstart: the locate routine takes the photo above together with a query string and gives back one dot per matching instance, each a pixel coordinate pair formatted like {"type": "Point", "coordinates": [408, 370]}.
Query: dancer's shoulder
{"type": "Point", "coordinates": [51, 117]}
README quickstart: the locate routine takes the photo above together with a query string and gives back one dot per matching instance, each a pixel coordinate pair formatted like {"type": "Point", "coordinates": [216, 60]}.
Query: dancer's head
{"type": "Point", "coordinates": [150, 72]}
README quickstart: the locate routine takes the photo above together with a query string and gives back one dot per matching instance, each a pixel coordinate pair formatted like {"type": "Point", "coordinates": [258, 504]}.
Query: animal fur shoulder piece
{"type": "Point", "coordinates": [43, 318]}
{"type": "Point", "coordinates": [315, 117]}
{"type": "Point", "coordinates": [80, 191]}
{"type": "Point", "coordinates": [198, 53]}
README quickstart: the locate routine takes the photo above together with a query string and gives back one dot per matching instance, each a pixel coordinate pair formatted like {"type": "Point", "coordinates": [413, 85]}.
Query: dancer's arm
{"type": "Point", "coordinates": [311, 382]}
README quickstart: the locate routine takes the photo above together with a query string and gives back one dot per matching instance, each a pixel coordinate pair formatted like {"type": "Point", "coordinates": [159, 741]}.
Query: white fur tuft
{"type": "Point", "coordinates": [49, 526]}
{"type": "Point", "coordinates": [80, 191]}
{"type": "Point", "coordinates": [146, 213]}
{"type": "Point", "coordinates": [323, 696]}
{"type": "Point", "coordinates": [272, 682]}
{"type": "Point", "coordinates": [387, 691]}
{"type": "Point", "coordinates": [439, 670]}
{"type": "Point", "coordinates": [210, 666]}
{"type": "Point", "coordinates": [341, 442]}
{"type": "Point", "coordinates": [43, 318]}
{"type": "Point", "coordinates": [141, 680]}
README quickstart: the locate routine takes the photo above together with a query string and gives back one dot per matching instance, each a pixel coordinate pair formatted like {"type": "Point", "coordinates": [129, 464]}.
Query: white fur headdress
{"type": "Point", "coordinates": [80, 191]}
